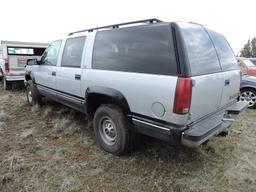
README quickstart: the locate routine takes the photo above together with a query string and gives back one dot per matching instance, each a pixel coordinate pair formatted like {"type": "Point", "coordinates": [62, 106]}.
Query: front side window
{"type": "Point", "coordinates": [201, 52]}
{"type": "Point", "coordinates": [145, 49]}
{"type": "Point", "coordinates": [50, 56]}
{"type": "Point", "coordinates": [73, 50]}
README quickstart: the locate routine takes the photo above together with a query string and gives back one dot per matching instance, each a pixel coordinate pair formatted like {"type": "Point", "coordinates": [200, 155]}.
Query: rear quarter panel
{"type": "Point", "coordinates": [140, 90]}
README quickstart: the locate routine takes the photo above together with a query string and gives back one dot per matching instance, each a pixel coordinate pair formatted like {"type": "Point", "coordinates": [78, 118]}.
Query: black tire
{"type": "Point", "coordinates": [1, 74]}
{"type": "Point", "coordinates": [249, 95]}
{"type": "Point", "coordinates": [32, 94]}
{"type": "Point", "coordinates": [105, 117]}
{"type": "Point", "coordinates": [7, 84]}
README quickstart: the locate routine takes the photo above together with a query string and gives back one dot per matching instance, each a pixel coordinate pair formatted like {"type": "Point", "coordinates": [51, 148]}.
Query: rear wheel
{"type": "Point", "coordinates": [7, 84]}
{"type": "Point", "coordinates": [32, 94]}
{"type": "Point", "coordinates": [111, 130]}
{"type": "Point", "coordinates": [249, 95]}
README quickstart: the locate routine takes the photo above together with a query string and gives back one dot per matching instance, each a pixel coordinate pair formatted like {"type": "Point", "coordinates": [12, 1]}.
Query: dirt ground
{"type": "Point", "coordinates": [51, 148]}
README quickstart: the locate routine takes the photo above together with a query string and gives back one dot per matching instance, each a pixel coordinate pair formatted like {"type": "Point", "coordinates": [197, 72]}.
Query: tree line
{"type": "Point", "coordinates": [249, 49]}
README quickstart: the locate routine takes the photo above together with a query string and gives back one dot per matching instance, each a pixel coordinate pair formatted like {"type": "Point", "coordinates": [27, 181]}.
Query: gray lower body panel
{"type": "Point", "coordinates": [214, 125]}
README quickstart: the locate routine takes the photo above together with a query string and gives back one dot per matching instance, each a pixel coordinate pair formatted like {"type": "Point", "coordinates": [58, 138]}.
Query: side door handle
{"type": "Point", "coordinates": [77, 77]}
{"type": "Point", "coordinates": [227, 82]}
{"type": "Point", "coordinates": [54, 73]}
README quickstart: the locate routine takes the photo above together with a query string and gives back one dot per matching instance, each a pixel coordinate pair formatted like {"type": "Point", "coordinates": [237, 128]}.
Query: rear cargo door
{"type": "Point", "coordinates": [205, 69]}
{"type": "Point", "coordinates": [229, 66]}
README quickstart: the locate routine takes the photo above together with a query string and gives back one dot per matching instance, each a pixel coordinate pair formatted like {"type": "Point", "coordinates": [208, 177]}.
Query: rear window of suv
{"type": "Point", "coordinates": [225, 53]}
{"type": "Point", "coordinates": [141, 49]}
{"type": "Point", "coordinates": [202, 55]}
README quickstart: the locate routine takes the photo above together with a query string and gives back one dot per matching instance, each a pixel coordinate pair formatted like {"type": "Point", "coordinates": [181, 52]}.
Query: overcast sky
{"type": "Point", "coordinates": [47, 20]}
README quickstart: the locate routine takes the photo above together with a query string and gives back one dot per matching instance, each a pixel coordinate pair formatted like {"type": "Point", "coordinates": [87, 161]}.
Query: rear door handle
{"type": "Point", "coordinates": [77, 77]}
{"type": "Point", "coordinates": [227, 82]}
{"type": "Point", "coordinates": [54, 73]}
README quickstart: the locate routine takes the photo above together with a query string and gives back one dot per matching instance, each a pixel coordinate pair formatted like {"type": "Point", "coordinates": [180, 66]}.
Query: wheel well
{"type": "Point", "coordinates": [95, 100]}
{"type": "Point", "coordinates": [252, 88]}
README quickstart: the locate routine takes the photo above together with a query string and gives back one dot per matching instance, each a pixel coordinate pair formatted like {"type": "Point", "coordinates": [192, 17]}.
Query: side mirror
{"type": "Point", "coordinates": [32, 62]}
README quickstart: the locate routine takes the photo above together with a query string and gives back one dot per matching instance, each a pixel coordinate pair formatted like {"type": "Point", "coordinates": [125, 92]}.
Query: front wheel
{"type": "Point", "coordinates": [111, 130]}
{"type": "Point", "coordinates": [32, 94]}
{"type": "Point", "coordinates": [249, 95]}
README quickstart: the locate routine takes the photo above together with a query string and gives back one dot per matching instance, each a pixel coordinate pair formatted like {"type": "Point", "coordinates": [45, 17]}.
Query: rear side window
{"type": "Point", "coordinates": [225, 53]}
{"type": "Point", "coordinates": [201, 52]}
{"type": "Point", "coordinates": [144, 49]}
{"type": "Point", "coordinates": [72, 53]}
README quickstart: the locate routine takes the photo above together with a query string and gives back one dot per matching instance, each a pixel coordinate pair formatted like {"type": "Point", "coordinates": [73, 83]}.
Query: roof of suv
{"type": "Point", "coordinates": [126, 24]}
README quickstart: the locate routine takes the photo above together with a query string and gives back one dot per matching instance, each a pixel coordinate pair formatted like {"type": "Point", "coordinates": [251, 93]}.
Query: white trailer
{"type": "Point", "coordinates": [13, 58]}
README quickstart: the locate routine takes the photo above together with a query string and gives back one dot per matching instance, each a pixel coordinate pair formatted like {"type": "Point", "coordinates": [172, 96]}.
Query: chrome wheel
{"type": "Point", "coordinates": [107, 130]}
{"type": "Point", "coordinates": [249, 97]}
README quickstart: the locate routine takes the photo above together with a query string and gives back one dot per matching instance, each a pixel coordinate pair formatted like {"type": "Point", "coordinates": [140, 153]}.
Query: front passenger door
{"type": "Point", "coordinates": [45, 77]}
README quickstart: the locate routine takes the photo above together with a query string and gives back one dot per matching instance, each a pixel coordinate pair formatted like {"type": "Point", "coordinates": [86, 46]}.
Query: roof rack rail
{"type": "Point", "coordinates": [153, 20]}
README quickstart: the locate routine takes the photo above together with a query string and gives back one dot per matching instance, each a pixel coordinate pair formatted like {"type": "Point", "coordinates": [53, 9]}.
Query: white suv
{"type": "Point", "coordinates": [13, 58]}
{"type": "Point", "coordinates": [175, 81]}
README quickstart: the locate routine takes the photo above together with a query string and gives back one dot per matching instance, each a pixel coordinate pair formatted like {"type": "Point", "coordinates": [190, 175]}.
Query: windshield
{"type": "Point", "coordinates": [248, 63]}
{"type": "Point", "coordinates": [253, 61]}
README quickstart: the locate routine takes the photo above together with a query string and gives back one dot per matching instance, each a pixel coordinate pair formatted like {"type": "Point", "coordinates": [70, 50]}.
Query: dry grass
{"type": "Point", "coordinates": [4, 117]}
{"type": "Point", "coordinates": [50, 148]}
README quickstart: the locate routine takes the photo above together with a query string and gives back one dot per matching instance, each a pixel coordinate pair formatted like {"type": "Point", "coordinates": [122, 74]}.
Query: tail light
{"type": "Point", "coordinates": [183, 96]}
{"type": "Point", "coordinates": [6, 65]}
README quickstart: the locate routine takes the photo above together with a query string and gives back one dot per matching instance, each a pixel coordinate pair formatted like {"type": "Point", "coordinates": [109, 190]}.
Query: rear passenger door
{"type": "Point", "coordinates": [68, 77]}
